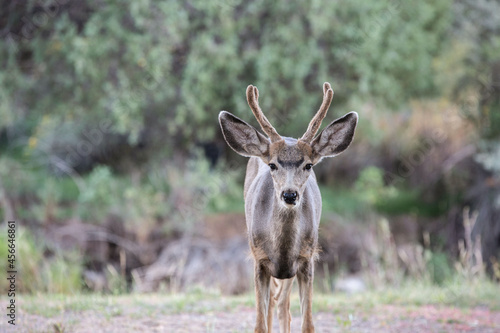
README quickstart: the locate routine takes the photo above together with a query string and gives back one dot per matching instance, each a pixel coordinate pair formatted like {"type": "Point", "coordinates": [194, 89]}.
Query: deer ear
{"type": "Point", "coordinates": [242, 137]}
{"type": "Point", "coordinates": [336, 137]}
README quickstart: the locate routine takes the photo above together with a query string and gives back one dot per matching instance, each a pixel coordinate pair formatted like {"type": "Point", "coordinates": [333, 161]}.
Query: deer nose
{"type": "Point", "coordinates": [290, 197]}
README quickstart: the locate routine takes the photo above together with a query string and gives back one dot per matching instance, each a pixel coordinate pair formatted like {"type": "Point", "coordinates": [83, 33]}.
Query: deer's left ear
{"type": "Point", "coordinates": [336, 137]}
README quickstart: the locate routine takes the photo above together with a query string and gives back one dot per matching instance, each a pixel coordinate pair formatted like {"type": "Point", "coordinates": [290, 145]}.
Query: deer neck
{"type": "Point", "coordinates": [285, 228]}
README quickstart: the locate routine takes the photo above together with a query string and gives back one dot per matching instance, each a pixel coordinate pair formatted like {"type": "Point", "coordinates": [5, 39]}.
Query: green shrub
{"type": "Point", "coordinates": [342, 201]}
{"type": "Point", "coordinates": [389, 199]}
{"type": "Point", "coordinates": [99, 194]}
{"type": "Point", "coordinates": [439, 268]}
{"type": "Point", "coordinates": [120, 63]}
{"type": "Point", "coordinates": [58, 273]}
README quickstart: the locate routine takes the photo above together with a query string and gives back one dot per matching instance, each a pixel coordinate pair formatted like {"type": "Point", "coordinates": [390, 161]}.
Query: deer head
{"type": "Point", "coordinates": [290, 160]}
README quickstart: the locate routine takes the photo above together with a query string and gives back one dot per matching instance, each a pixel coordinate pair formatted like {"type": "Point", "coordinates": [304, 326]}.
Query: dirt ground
{"type": "Point", "coordinates": [383, 318]}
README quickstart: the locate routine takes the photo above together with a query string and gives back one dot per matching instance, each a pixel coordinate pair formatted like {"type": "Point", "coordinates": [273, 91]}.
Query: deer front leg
{"type": "Point", "coordinates": [274, 287]}
{"type": "Point", "coordinates": [305, 277]}
{"type": "Point", "coordinates": [283, 298]}
{"type": "Point", "coordinates": [262, 295]}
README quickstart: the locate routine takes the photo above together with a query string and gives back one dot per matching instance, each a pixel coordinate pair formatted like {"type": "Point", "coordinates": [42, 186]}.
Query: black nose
{"type": "Point", "coordinates": [290, 197]}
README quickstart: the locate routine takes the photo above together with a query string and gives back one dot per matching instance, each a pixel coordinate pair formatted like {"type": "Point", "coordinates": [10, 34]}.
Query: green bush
{"type": "Point", "coordinates": [172, 72]}
{"type": "Point", "coordinates": [438, 267]}
{"type": "Point", "coordinates": [59, 273]}
{"type": "Point", "coordinates": [371, 188]}
{"type": "Point", "coordinates": [101, 193]}
{"type": "Point", "coordinates": [389, 199]}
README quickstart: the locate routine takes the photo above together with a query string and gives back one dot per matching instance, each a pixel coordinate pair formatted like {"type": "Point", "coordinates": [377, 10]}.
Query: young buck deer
{"type": "Point", "coordinates": [283, 203]}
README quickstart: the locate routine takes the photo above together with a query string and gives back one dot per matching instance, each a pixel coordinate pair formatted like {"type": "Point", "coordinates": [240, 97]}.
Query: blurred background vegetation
{"type": "Point", "coordinates": [112, 161]}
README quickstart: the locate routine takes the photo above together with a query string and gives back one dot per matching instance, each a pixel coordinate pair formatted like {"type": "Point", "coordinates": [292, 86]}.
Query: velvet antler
{"type": "Point", "coordinates": [253, 102]}
{"type": "Point", "coordinates": [315, 123]}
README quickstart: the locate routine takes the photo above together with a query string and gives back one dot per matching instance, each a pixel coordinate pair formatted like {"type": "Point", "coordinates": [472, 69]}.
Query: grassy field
{"type": "Point", "coordinates": [413, 307]}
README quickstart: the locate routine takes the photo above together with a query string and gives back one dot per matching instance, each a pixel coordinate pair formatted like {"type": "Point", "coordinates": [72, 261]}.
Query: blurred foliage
{"type": "Point", "coordinates": [58, 273]}
{"type": "Point", "coordinates": [371, 187]}
{"type": "Point", "coordinates": [389, 199]}
{"type": "Point", "coordinates": [478, 27]}
{"type": "Point", "coordinates": [196, 190]}
{"type": "Point", "coordinates": [106, 107]}
{"type": "Point", "coordinates": [88, 83]}
{"type": "Point", "coordinates": [477, 89]}
{"type": "Point", "coordinates": [438, 266]}
{"type": "Point", "coordinates": [342, 201]}
{"type": "Point", "coordinates": [168, 67]}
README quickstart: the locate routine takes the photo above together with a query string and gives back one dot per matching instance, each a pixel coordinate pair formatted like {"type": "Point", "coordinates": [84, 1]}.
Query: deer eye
{"type": "Point", "coordinates": [273, 166]}
{"type": "Point", "coordinates": [308, 166]}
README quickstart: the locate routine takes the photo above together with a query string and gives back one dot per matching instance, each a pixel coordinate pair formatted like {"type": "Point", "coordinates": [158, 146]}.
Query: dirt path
{"type": "Point", "coordinates": [383, 318]}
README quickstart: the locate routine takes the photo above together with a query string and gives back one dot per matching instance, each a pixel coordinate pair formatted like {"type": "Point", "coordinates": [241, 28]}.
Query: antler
{"type": "Point", "coordinates": [253, 102]}
{"type": "Point", "coordinates": [320, 115]}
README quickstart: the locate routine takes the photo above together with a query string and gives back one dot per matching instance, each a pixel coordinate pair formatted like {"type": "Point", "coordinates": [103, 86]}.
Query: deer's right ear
{"type": "Point", "coordinates": [242, 137]}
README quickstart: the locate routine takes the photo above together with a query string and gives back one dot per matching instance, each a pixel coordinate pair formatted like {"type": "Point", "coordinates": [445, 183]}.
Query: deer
{"type": "Point", "coordinates": [283, 204]}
